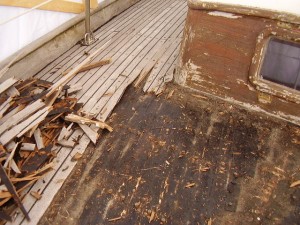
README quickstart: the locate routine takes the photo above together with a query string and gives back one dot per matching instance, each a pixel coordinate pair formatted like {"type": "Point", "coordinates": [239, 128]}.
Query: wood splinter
{"type": "Point", "coordinates": [95, 65]}
{"type": "Point", "coordinates": [36, 195]}
{"type": "Point", "coordinates": [115, 219]}
{"type": "Point", "coordinates": [82, 120]}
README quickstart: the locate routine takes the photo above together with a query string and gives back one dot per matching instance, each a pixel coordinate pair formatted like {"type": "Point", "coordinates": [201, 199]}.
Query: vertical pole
{"type": "Point", "coordinates": [87, 16]}
{"type": "Point", "coordinates": [88, 36]}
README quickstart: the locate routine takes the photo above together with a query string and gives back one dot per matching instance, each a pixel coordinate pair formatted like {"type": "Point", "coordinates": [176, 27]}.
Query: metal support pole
{"type": "Point", "coordinates": [88, 36]}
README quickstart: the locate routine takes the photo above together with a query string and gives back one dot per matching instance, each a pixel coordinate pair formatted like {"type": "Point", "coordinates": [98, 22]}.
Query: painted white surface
{"type": "Point", "coordinates": [289, 6]}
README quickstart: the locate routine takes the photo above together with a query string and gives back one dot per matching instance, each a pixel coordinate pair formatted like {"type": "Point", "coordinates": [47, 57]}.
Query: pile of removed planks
{"type": "Point", "coordinates": [36, 117]}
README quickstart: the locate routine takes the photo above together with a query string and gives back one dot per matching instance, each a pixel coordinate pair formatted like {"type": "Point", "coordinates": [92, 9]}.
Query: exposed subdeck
{"type": "Point", "coordinates": [185, 160]}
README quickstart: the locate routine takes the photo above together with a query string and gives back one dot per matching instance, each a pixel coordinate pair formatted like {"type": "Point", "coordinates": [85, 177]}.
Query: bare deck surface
{"type": "Point", "coordinates": [185, 160]}
{"type": "Point", "coordinates": [150, 31]}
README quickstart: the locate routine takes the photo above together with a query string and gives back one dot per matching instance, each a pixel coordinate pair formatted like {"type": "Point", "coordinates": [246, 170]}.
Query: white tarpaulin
{"type": "Point", "coordinates": [21, 31]}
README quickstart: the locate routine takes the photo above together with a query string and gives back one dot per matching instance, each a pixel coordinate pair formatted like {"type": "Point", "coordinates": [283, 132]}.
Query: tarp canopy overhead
{"type": "Point", "coordinates": [27, 28]}
{"type": "Point", "coordinates": [22, 31]}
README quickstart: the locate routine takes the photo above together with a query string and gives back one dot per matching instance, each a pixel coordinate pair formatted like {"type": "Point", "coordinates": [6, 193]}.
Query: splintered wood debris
{"type": "Point", "coordinates": [35, 117]}
{"type": "Point", "coordinates": [296, 183]}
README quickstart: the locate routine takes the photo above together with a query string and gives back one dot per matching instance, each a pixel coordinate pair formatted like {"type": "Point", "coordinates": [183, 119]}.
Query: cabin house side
{"type": "Point", "coordinates": [244, 54]}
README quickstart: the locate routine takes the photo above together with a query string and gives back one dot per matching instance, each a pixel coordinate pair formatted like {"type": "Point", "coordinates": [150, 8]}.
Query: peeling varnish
{"type": "Point", "coordinates": [224, 14]}
{"type": "Point", "coordinates": [248, 10]}
{"type": "Point", "coordinates": [225, 87]}
{"type": "Point", "coordinates": [240, 81]}
{"type": "Point", "coordinates": [197, 80]}
{"type": "Point", "coordinates": [191, 34]}
{"type": "Point", "coordinates": [277, 114]}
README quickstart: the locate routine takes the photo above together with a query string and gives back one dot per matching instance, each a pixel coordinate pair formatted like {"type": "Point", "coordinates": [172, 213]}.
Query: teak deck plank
{"type": "Point", "coordinates": [161, 68]}
{"type": "Point", "coordinates": [104, 29]}
{"type": "Point", "coordinates": [107, 34]}
{"type": "Point", "coordinates": [115, 50]}
{"type": "Point", "coordinates": [133, 44]}
{"type": "Point", "coordinates": [125, 60]}
{"type": "Point", "coordinates": [7, 84]}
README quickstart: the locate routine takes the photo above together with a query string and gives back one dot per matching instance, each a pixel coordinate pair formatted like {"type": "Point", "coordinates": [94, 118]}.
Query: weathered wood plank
{"type": "Point", "coordinates": [7, 84]}
{"type": "Point", "coordinates": [116, 24]}
{"type": "Point", "coordinates": [82, 120]}
{"type": "Point", "coordinates": [74, 88]}
{"type": "Point", "coordinates": [27, 146]}
{"type": "Point", "coordinates": [134, 46]}
{"type": "Point", "coordinates": [152, 63]}
{"type": "Point", "coordinates": [14, 166]}
{"type": "Point", "coordinates": [12, 92]}
{"type": "Point", "coordinates": [117, 47]}
{"type": "Point", "coordinates": [123, 27]}
{"type": "Point", "coordinates": [74, 71]}
{"type": "Point", "coordinates": [92, 134]}
{"type": "Point", "coordinates": [62, 134]}
{"type": "Point", "coordinates": [11, 155]}
{"type": "Point", "coordinates": [93, 65]}
{"type": "Point", "coordinates": [5, 106]}
{"type": "Point", "coordinates": [172, 53]}
{"type": "Point", "coordinates": [11, 113]}
{"type": "Point", "coordinates": [23, 127]}
{"type": "Point", "coordinates": [66, 143]}
{"type": "Point", "coordinates": [21, 115]}
{"type": "Point", "coordinates": [158, 75]}
{"type": "Point", "coordinates": [38, 139]}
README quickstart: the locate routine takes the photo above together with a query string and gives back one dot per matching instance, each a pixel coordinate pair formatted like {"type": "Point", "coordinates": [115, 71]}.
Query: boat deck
{"type": "Point", "coordinates": [144, 38]}
{"type": "Point", "coordinates": [179, 158]}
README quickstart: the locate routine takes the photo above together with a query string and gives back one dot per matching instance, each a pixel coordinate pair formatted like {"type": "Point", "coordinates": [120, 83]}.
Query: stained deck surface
{"type": "Point", "coordinates": [185, 159]}
{"type": "Point", "coordinates": [150, 31]}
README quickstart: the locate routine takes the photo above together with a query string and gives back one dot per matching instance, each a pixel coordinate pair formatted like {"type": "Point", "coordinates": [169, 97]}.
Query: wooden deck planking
{"type": "Point", "coordinates": [125, 62]}
{"type": "Point", "coordinates": [135, 44]}
{"type": "Point", "coordinates": [133, 47]}
{"type": "Point", "coordinates": [107, 103]}
{"type": "Point", "coordinates": [112, 25]}
{"type": "Point", "coordinates": [161, 77]}
{"type": "Point", "coordinates": [116, 46]}
{"type": "Point", "coordinates": [168, 77]}
{"type": "Point", "coordinates": [162, 66]}
{"type": "Point", "coordinates": [110, 33]}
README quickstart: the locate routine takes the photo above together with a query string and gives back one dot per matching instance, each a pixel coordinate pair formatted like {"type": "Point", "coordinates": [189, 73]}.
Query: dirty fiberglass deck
{"type": "Point", "coordinates": [150, 31]}
{"type": "Point", "coordinates": [184, 160]}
